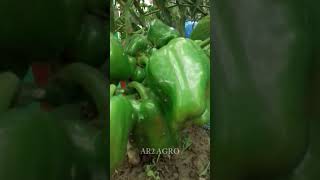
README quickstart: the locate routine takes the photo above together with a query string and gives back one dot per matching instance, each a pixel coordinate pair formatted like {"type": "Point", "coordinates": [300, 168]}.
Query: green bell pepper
{"type": "Point", "coordinates": [33, 146]}
{"type": "Point", "coordinates": [179, 73]}
{"type": "Point", "coordinates": [120, 67]}
{"type": "Point", "coordinates": [122, 119]}
{"type": "Point", "coordinates": [136, 44]}
{"type": "Point", "coordinates": [151, 129]}
{"type": "Point", "coordinates": [160, 34]}
{"type": "Point", "coordinates": [261, 70]}
{"type": "Point", "coordinates": [139, 74]}
{"type": "Point", "coordinates": [202, 29]}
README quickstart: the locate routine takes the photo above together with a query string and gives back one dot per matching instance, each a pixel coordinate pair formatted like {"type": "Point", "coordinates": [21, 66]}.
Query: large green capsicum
{"type": "Point", "coordinates": [122, 119]}
{"type": "Point", "coordinates": [179, 73]}
{"type": "Point", "coordinates": [151, 129]}
{"type": "Point", "coordinates": [260, 81]}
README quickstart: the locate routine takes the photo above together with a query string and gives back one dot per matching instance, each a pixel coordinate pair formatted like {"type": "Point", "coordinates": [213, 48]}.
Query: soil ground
{"type": "Point", "coordinates": [192, 163]}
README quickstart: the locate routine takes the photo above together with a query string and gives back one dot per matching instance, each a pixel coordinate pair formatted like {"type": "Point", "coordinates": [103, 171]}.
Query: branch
{"type": "Point", "coordinates": [134, 15]}
{"type": "Point", "coordinates": [158, 10]}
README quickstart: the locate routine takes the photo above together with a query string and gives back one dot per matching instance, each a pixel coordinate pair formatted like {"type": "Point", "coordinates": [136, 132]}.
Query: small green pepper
{"type": "Point", "coordinates": [139, 74]}
{"type": "Point", "coordinates": [136, 44]}
{"type": "Point", "coordinates": [160, 34]}
{"type": "Point", "coordinates": [202, 29]}
{"type": "Point", "coordinates": [120, 67]}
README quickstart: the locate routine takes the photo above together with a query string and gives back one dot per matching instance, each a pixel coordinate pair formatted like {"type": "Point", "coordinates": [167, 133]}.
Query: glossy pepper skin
{"type": "Point", "coordinates": [179, 73]}
{"type": "Point", "coordinates": [139, 74]}
{"type": "Point", "coordinates": [121, 123]}
{"type": "Point", "coordinates": [33, 146]}
{"type": "Point", "coordinates": [261, 69]}
{"type": "Point", "coordinates": [136, 44]}
{"type": "Point", "coordinates": [160, 34]}
{"type": "Point", "coordinates": [120, 67]}
{"type": "Point", "coordinates": [205, 116]}
{"type": "Point", "coordinates": [151, 129]}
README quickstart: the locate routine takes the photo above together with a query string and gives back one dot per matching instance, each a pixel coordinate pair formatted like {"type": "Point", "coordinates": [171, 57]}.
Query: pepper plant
{"type": "Point", "coordinates": [167, 88]}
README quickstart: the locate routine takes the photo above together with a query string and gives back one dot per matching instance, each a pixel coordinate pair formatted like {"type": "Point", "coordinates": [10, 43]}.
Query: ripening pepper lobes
{"type": "Point", "coordinates": [121, 123]}
{"type": "Point", "coordinates": [261, 70]}
{"type": "Point", "coordinates": [120, 66]}
{"type": "Point", "coordinates": [160, 34]}
{"type": "Point", "coordinates": [151, 129]}
{"type": "Point", "coordinates": [179, 73]}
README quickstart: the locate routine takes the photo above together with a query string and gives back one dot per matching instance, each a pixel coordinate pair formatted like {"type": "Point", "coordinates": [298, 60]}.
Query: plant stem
{"type": "Point", "coordinates": [158, 10]}
{"type": "Point", "coordinates": [139, 88]}
{"type": "Point", "coordinates": [205, 42]}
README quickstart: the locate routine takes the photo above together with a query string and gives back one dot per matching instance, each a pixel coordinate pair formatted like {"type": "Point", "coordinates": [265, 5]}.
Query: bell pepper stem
{"type": "Point", "coordinates": [140, 31]}
{"type": "Point", "coordinates": [139, 88]}
{"type": "Point", "coordinates": [205, 43]}
{"type": "Point", "coordinates": [112, 89]}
